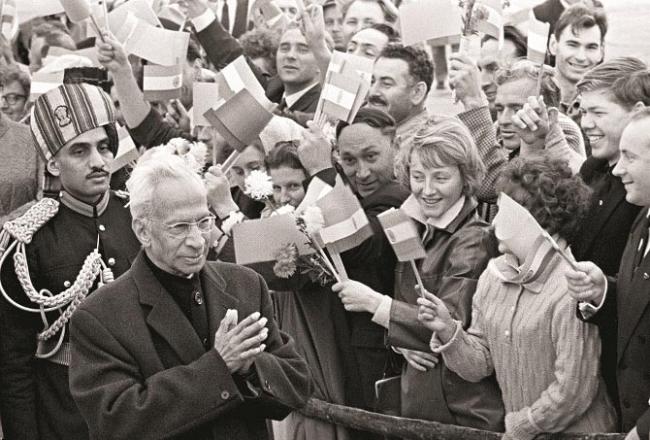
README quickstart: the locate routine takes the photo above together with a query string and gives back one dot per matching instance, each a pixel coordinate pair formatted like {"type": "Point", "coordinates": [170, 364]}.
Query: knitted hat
{"type": "Point", "coordinates": [66, 112]}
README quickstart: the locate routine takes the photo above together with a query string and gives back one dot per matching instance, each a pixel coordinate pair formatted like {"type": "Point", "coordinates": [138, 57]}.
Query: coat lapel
{"type": "Point", "coordinates": [616, 197]}
{"type": "Point", "coordinates": [632, 297]}
{"type": "Point", "coordinates": [166, 317]}
{"type": "Point", "coordinates": [218, 301]}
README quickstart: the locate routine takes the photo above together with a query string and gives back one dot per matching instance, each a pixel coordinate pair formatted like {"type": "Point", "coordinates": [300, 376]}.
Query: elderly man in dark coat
{"type": "Point", "coordinates": [160, 352]}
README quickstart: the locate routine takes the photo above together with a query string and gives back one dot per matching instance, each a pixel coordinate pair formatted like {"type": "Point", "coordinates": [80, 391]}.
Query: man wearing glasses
{"type": "Point", "coordinates": [179, 347]}
{"type": "Point", "coordinates": [18, 176]}
{"type": "Point", "coordinates": [66, 249]}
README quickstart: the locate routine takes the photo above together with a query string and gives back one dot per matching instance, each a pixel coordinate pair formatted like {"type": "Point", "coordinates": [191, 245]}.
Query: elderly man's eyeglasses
{"type": "Point", "coordinates": [12, 98]}
{"type": "Point", "coordinates": [184, 229]}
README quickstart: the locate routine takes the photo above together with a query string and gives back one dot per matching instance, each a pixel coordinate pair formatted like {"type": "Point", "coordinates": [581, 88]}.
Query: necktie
{"type": "Point", "coordinates": [643, 242]}
{"type": "Point", "coordinates": [283, 105]}
{"type": "Point", "coordinates": [225, 16]}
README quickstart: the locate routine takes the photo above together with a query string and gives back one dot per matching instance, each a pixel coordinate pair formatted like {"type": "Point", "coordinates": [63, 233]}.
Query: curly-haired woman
{"type": "Point", "coordinates": [524, 325]}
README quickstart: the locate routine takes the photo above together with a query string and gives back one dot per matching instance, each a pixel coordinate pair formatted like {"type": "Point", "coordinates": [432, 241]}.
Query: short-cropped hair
{"type": "Point", "coordinates": [155, 167]}
{"type": "Point", "coordinates": [525, 69]}
{"type": "Point", "coordinates": [547, 188]}
{"type": "Point", "coordinates": [443, 141]}
{"type": "Point", "coordinates": [514, 35]}
{"type": "Point", "coordinates": [579, 17]}
{"type": "Point", "coordinates": [374, 118]}
{"type": "Point", "coordinates": [388, 30]}
{"type": "Point", "coordinates": [388, 14]}
{"type": "Point", "coordinates": [631, 89]}
{"type": "Point", "coordinates": [420, 65]}
{"type": "Point", "coordinates": [606, 74]}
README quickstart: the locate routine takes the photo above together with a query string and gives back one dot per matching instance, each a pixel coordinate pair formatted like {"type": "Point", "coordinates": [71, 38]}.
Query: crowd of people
{"type": "Point", "coordinates": [125, 314]}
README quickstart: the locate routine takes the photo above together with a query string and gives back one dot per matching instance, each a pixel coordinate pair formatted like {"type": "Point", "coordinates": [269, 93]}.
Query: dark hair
{"type": "Point", "coordinates": [547, 188]}
{"type": "Point", "coordinates": [113, 138]}
{"type": "Point", "coordinates": [193, 49]}
{"type": "Point", "coordinates": [260, 43]}
{"type": "Point", "coordinates": [633, 88]}
{"type": "Point", "coordinates": [284, 154]}
{"type": "Point", "coordinates": [578, 17]}
{"type": "Point", "coordinates": [388, 30]}
{"type": "Point", "coordinates": [372, 117]}
{"type": "Point", "coordinates": [420, 65]}
{"type": "Point", "coordinates": [11, 73]}
{"type": "Point", "coordinates": [524, 68]}
{"type": "Point", "coordinates": [514, 35]}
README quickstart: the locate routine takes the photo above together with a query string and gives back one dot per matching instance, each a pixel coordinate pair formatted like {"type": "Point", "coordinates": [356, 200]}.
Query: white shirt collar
{"type": "Point", "coordinates": [294, 97]}
{"type": "Point", "coordinates": [413, 209]}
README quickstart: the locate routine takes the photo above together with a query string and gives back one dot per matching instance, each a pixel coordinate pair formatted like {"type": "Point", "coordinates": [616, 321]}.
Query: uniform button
{"type": "Point", "coordinates": [626, 403]}
{"type": "Point", "coordinates": [111, 261]}
{"type": "Point", "coordinates": [600, 203]}
{"type": "Point", "coordinates": [507, 333]}
{"type": "Point", "coordinates": [267, 385]}
{"type": "Point", "coordinates": [102, 228]}
{"type": "Point", "coordinates": [198, 298]}
{"type": "Point", "coordinates": [205, 342]}
{"type": "Point", "coordinates": [646, 276]}
{"type": "Point", "coordinates": [66, 284]}
{"type": "Point", "coordinates": [225, 395]}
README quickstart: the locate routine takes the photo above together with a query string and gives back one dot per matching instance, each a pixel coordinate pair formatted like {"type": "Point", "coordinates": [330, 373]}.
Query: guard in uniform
{"type": "Point", "coordinates": [55, 255]}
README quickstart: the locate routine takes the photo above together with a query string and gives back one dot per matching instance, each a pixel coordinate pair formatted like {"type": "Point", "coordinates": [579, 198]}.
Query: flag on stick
{"type": "Point", "coordinates": [489, 19]}
{"type": "Point", "coordinates": [346, 224]}
{"type": "Point", "coordinates": [162, 83]}
{"type": "Point", "coordinates": [537, 40]}
{"type": "Point", "coordinates": [428, 19]}
{"type": "Point", "coordinates": [8, 19]}
{"type": "Point", "coordinates": [339, 95]}
{"type": "Point", "coordinates": [238, 76]}
{"type": "Point", "coordinates": [127, 152]}
{"type": "Point", "coordinates": [239, 120]}
{"type": "Point", "coordinates": [205, 96]}
{"type": "Point", "coordinates": [173, 14]}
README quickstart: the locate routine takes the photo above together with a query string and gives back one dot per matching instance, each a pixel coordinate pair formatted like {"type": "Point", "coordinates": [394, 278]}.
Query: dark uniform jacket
{"type": "Point", "coordinates": [140, 371]}
{"type": "Point", "coordinates": [34, 393]}
{"type": "Point", "coordinates": [455, 258]}
{"type": "Point", "coordinates": [628, 298]}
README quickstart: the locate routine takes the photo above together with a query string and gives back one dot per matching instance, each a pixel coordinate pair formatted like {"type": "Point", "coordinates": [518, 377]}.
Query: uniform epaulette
{"type": "Point", "coordinates": [25, 226]}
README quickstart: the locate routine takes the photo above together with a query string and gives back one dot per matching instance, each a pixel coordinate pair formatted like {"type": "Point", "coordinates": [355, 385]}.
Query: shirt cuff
{"type": "Point", "coordinates": [203, 21]}
{"type": "Point", "coordinates": [587, 310]}
{"type": "Point", "coordinates": [435, 346]}
{"type": "Point", "coordinates": [382, 314]}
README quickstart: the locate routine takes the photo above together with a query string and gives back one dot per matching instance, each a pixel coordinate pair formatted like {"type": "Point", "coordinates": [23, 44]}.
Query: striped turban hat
{"type": "Point", "coordinates": [64, 113]}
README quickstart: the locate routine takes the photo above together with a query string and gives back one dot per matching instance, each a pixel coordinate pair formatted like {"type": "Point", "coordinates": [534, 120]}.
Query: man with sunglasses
{"type": "Point", "coordinates": [66, 249]}
{"type": "Point", "coordinates": [179, 347]}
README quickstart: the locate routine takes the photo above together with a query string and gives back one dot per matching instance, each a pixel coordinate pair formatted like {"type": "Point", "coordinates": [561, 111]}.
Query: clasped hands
{"type": "Point", "coordinates": [240, 344]}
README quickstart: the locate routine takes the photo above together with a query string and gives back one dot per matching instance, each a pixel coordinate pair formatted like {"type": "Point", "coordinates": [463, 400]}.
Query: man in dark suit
{"type": "Point", "coordinates": [626, 298]}
{"type": "Point", "coordinates": [610, 94]}
{"type": "Point", "coordinates": [367, 159]}
{"type": "Point", "coordinates": [296, 86]}
{"type": "Point", "coordinates": [161, 353]}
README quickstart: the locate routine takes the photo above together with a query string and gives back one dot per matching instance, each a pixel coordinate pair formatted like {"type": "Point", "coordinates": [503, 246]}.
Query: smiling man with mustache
{"type": "Point", "coordinates": [73, 127]}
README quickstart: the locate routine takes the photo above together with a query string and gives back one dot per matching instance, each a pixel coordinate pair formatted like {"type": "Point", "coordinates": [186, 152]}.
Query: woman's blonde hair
{"type": "Point", "coordinates": [443, 141]}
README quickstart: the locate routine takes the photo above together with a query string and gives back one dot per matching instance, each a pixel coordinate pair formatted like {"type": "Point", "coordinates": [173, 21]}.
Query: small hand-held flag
{"type": "Point", "coordinates": [346, 224]}
{"type": "Point", "coordinates": [537, 43]}
{"type": "Point", "coordinates": [79, 10]}
{"type": "Point", "coordinates": [403, 236]}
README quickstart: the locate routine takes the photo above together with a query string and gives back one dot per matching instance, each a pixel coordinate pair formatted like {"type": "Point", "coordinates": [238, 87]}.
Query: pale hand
{"type": "Point", "coordinates": [112, 55]}
{"type": "Point", "coordinates": [587, 284]}
{"type": "Point", "coordinates": [314, 151]}
{"type": "Point", "coordinates": [219, 195]}
{"type": "Point", "coordinates": [533, 121]}
{"type": "Point", "coordinates": [465, 79]}
{"type": "Point", "coordinates": [313, 25]}
{"type": "Point", "coordinates": [435, 316]}
{"type": "Point", "coordinates": [240, 345]}
{"type": "Point", "coordinates": [357, 297]}
{"type": "Point", "coordinates": [419, 360]}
